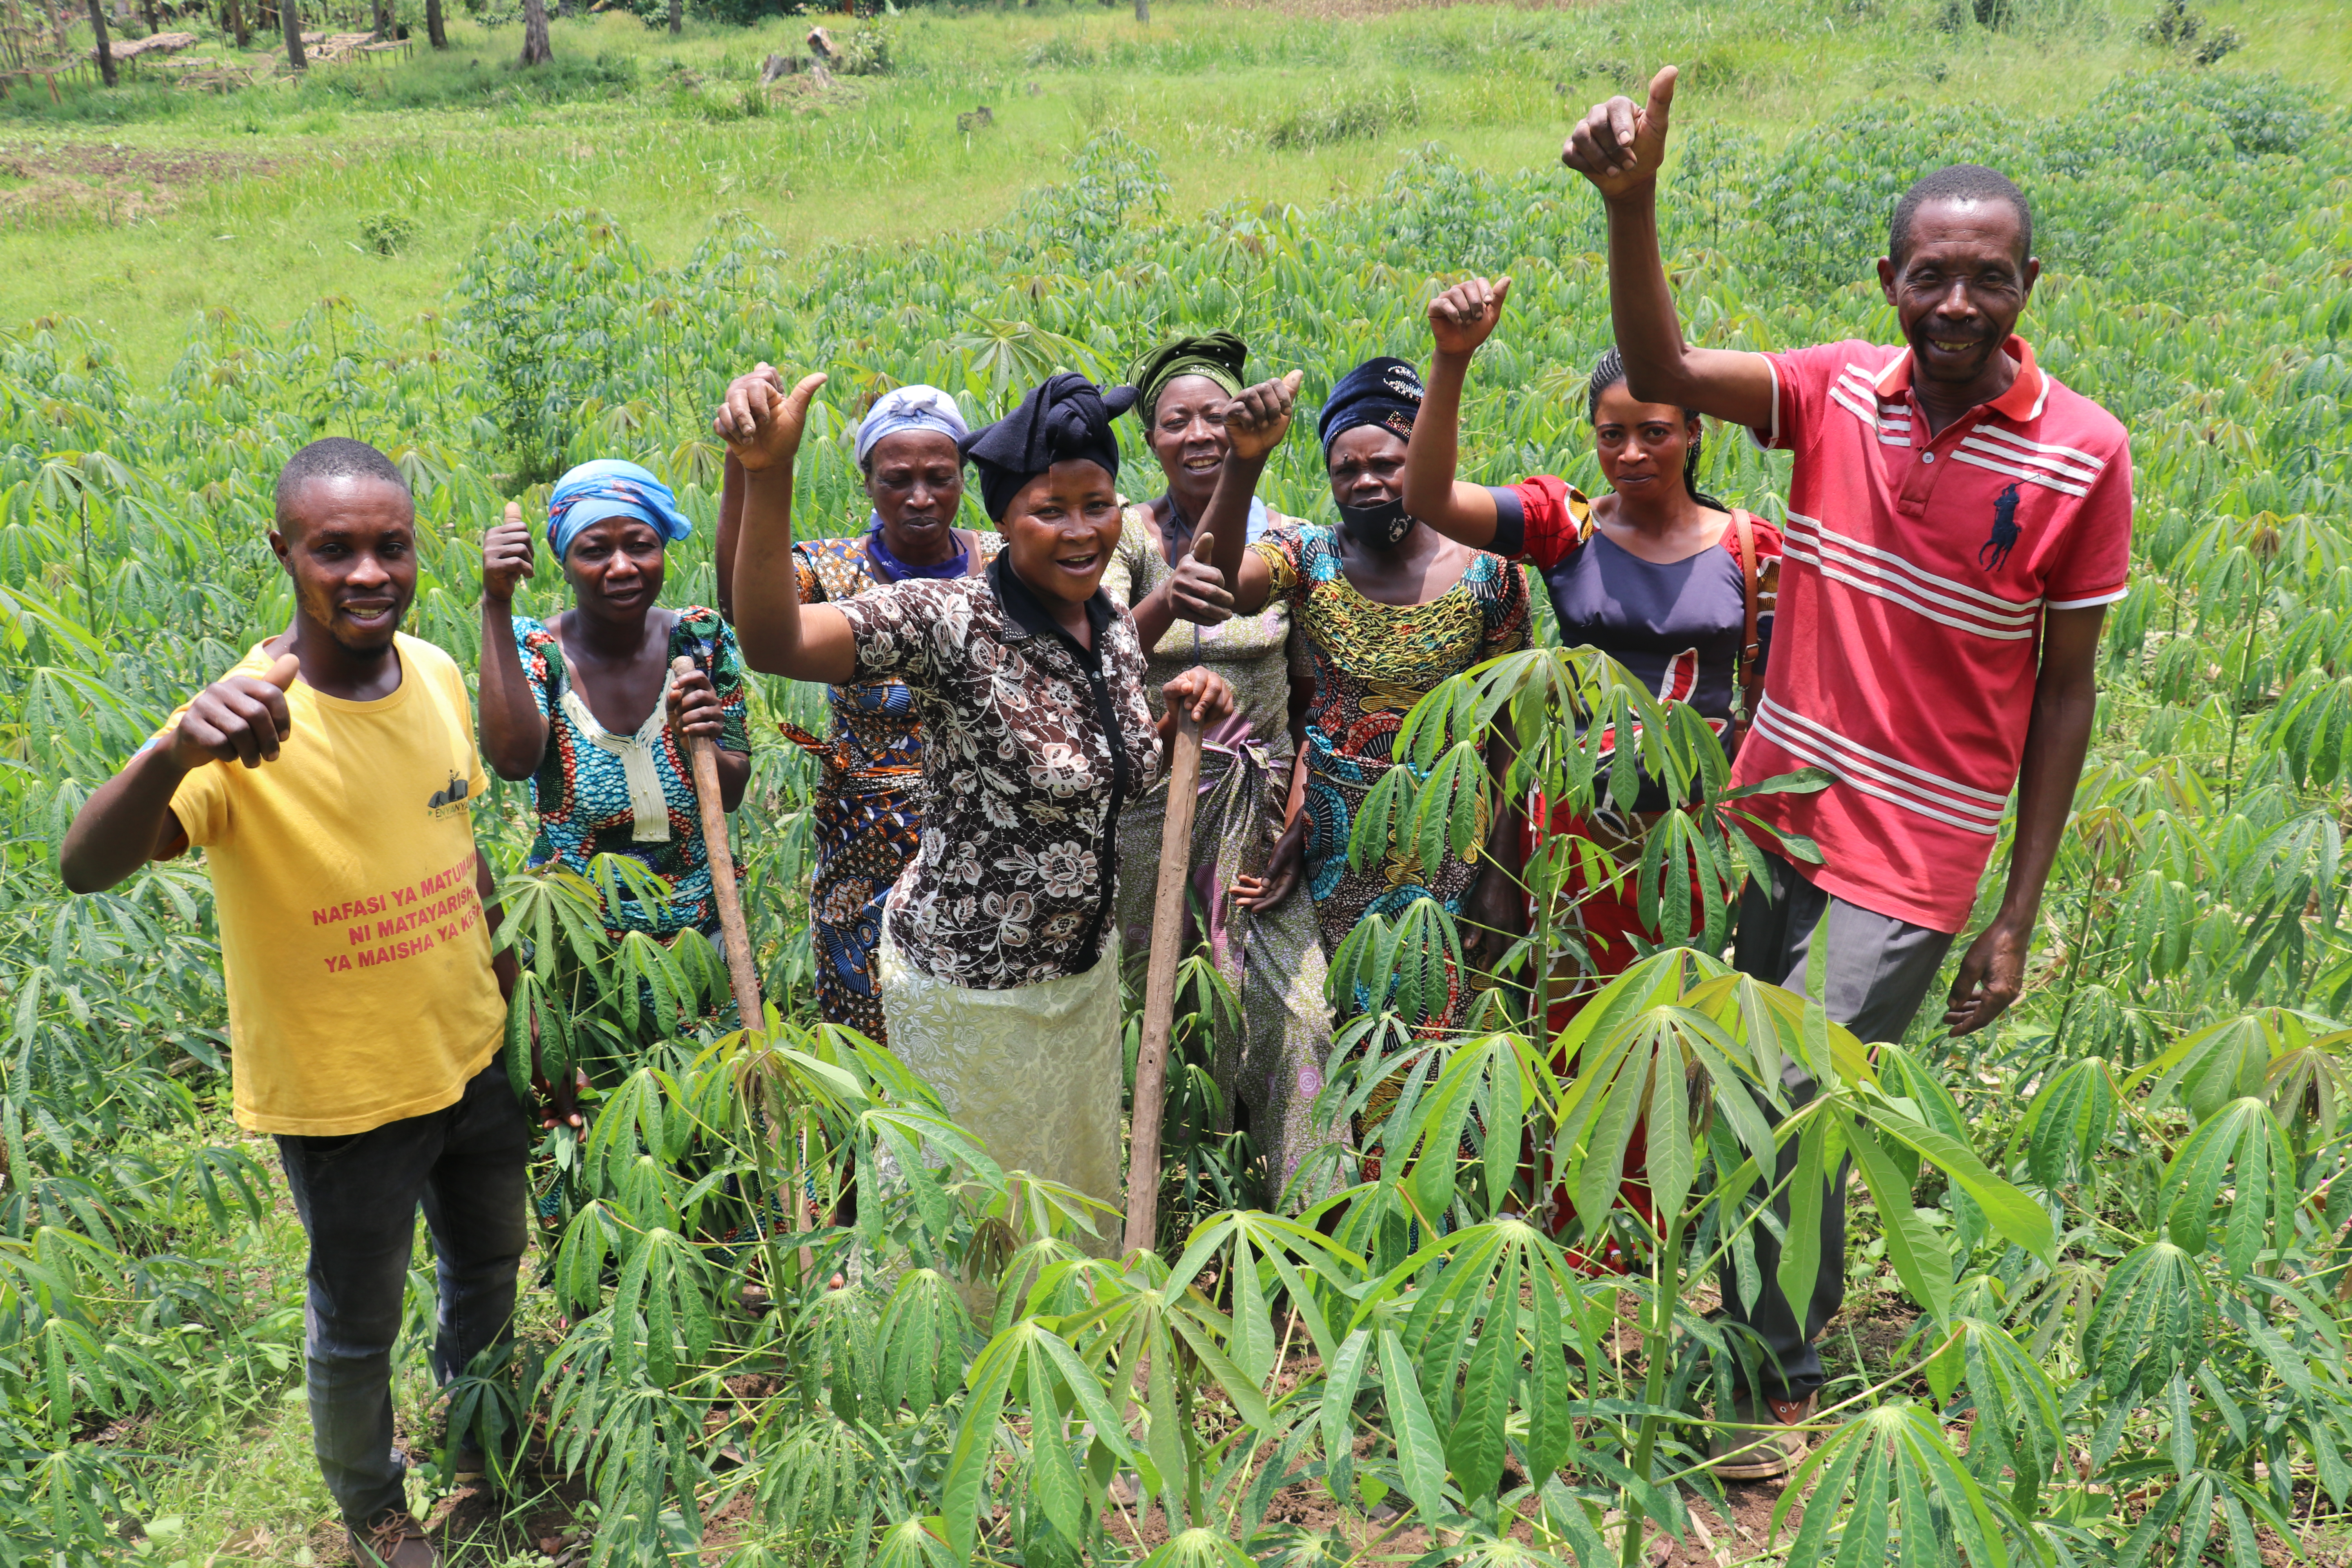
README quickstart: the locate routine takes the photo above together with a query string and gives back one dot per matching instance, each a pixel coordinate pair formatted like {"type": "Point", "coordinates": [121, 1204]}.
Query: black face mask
{"type": "Point", "coordinates": [1381, 526]}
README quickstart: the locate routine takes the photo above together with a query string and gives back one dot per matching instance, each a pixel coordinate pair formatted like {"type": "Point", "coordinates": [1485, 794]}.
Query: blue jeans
{"type": "Point", "coordinates": [358, 1196]}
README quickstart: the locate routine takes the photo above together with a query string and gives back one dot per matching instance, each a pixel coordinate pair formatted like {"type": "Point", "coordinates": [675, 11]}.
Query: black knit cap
{"type": "Point", "coordinates": [1065, 419]}
{"type": "Point", "coordinates": [1383, 392]}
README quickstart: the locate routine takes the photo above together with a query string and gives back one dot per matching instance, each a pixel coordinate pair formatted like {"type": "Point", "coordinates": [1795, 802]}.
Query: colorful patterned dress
{"type": "Point", "coordinates": [867, 827]}
{"type": "Point", "coordinates": [1274, 960]}
{"type": "Point", "coordinates": [1372, 662]}
{"type": "Point", "coordinates": [597, 793]}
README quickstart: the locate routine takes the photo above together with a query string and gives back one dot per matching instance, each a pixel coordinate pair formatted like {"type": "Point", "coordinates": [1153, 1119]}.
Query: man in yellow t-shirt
{"type": "Point", "coordinates": [329, 778]}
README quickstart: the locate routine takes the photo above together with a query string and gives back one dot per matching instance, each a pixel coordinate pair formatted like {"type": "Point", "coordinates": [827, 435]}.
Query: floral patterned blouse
{"type": "Point", "coordinates": [1030, 745]}
{"type": "Point", "coordinates": [598, 792]}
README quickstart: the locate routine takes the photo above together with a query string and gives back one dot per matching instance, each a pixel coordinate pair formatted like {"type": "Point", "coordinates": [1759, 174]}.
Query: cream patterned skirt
{"type": "Point", "coordinates": [1031, 1071]}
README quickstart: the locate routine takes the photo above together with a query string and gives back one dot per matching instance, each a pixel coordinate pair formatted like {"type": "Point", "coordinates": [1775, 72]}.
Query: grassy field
{"type": "Point", "coordinates": [194, 286]}
{"type": "Point", "coordinates": [139, 209]}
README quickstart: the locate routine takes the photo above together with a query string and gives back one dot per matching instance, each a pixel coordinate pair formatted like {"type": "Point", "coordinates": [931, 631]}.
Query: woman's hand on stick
{"type": "Point", "coordinates": [1204, 692]}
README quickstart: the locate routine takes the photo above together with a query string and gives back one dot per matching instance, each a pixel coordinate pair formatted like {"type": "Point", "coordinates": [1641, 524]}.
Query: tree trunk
{"type": "Point", "coordinates": [563, 9]}
{"type": "Point", "coordinates": [289, 17]}
{"type": "Point", "coordinates": [677, 17]}
{"type": "Point", "coordinates": [105, 49]}
{"type": "Point", "coordinates": [1143, 11]}
{"type": "Point", "coordinates": [436, 31]}
{"type": "Point", "coordinates": [382, 20]}
{"type": "Point", "coordinates": [237, 25]}
{"type": "Point", "coordinates": [535, 50]}
{"type": "Point", "coordinates": [147, 15]}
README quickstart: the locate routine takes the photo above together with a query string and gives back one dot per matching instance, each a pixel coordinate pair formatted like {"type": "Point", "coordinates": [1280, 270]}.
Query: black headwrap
{"type": "Point", "coordinates": [1216, 355]}
{"type": "Point", "coordinates": [1382, 392]}
{"type": "Point", "coordinates": [1067, 419]}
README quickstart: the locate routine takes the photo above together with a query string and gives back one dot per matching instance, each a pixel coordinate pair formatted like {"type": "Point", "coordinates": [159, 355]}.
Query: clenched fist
{"type": "Point", "coordinates": [506, 556]}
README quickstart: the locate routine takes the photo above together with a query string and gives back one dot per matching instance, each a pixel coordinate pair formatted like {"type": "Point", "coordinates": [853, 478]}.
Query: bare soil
{"type": "Point", "coordinates": [113, 183]}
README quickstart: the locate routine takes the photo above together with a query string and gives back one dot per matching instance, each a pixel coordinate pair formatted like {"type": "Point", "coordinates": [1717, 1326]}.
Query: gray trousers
{"type": "Point", "coordinates": [1877, 972]}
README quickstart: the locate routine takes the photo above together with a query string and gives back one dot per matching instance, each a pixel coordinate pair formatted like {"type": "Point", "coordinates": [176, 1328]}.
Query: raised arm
{"type": "Point", "coordinates": [127, 820]}
{"type": "Point", "coordinates": [1254, 424]}
{"type": "Point", "coordinates": [730, 518]}
{"type": "Point", "coordinates": [779, 635]}
{"type": "Point", "coordinates": [513, 731]}
{"type": "Point", "coordinates": [1460, 320]}
{"type": "Point", "coordinates": [2057, 738]}
{"type": "Point", "coordinates": [1620, 147]}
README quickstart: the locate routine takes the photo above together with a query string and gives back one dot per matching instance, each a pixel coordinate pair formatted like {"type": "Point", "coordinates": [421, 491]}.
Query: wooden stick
{"type": "Point", "coordinates": [1159, 986]}
{"type": "Point", "coordinates": [741, 972]}
{"type": "Point", "coordinates": [741, 975]}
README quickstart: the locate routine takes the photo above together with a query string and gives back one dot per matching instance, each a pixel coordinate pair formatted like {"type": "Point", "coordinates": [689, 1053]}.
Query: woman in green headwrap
{"type": "Point", "coordinates": [1247, 832]}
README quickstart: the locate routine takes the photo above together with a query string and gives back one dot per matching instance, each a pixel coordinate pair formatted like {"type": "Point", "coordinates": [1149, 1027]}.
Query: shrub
{"type": "Point", "coordinates": [2175, 26]}
{"type": "Point", "coordinates": [1352, 115]}
{"type": "Point", "coordinates": [865, 51]}
{"type": "Point", "coordinates": [387, 234]}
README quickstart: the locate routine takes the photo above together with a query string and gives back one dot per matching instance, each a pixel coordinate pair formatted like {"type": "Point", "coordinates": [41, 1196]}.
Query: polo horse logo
{"type": "Point", "coordinates": [1997, 545]}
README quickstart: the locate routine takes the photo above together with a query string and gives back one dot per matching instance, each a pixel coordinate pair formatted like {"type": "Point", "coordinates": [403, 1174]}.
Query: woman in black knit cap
{"type": "Point", "coordinates": [999, 963]}
{"type": "Point", "coordinates": [1387, 608]}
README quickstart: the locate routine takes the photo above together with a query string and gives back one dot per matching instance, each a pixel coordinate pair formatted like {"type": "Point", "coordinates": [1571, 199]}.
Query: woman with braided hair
{"type": "Point", "coordinates": [1665, 580]}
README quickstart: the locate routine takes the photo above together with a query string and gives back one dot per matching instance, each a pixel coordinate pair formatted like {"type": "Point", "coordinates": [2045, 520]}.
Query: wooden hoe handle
{"type": "Point", "coordinates": [732, 932]}
{"type": "Point", "coordinates": [1159, 986]}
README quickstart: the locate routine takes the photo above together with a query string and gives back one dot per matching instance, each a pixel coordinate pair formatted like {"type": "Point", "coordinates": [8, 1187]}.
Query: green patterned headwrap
{"type": "Point", "coordinates": [1217, 355]}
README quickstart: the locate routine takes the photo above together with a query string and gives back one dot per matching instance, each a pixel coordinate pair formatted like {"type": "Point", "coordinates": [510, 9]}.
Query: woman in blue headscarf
{"type": "Point", "coordinates": [865, 821]}
{"type": "Point", "coordinates": [585, 706]}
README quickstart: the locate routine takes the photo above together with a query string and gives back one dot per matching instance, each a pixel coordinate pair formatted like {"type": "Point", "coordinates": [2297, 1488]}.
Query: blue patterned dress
{"type": "Point", "coordinates": [597, 793]}
{"type": "Point", "coordinates": [866, 821]}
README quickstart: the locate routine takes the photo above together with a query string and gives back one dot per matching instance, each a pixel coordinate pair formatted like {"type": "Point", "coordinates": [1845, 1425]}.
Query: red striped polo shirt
{"type": "Point", "coordinates": [1912, 590]}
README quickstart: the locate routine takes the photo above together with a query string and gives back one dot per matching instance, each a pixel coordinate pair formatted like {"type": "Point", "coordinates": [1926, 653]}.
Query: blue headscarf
{"type": "Point", "coordinates": [607, 488]}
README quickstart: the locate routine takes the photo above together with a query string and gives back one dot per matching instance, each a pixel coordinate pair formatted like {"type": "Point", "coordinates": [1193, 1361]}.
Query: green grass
{"type": "Point", "coordinates": [1252, 105]}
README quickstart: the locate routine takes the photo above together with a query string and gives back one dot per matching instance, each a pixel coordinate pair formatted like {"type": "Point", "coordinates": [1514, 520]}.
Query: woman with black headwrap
{"type": "Point", "coordinates": [999, 969]}
{"type": "Point", "coordinates": [1263, 941]}
{"type": "Point", "coordinates": [1387, 608]}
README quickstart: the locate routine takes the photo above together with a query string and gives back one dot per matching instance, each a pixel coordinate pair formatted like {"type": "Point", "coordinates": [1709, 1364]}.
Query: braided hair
{"type": "Point", "coordinates": [1608, 374]}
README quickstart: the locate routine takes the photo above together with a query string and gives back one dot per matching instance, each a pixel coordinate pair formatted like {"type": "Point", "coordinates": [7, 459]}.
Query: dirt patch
{"type": "Point", "coordinates": [113, 184]}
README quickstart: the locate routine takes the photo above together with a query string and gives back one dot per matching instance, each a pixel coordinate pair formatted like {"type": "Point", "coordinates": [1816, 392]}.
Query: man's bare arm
{"type": "Point", "coordinates": [2065, 701]}
{"type": "Point", "coordinates": [1620, 147]}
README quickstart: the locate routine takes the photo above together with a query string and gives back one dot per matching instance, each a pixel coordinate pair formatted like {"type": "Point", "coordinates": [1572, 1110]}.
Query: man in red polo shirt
{"type": "Point", "coordinates": [1958, 523]}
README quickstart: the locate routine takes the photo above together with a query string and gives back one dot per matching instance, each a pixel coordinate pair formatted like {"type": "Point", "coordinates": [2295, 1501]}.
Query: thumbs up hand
{"type": "Point", "coordinates": [1197, 592]}
{"type": "Point", "coordinates": [761, 423]}
{"type": "Point", "coordinates": [506, 556]}
{"type": "Point", "coordinates": [240, 717]}
{"type": "Point", "coordinates": [1621, 145]}
{"type": "Point", "coordinates": [1258, 420]}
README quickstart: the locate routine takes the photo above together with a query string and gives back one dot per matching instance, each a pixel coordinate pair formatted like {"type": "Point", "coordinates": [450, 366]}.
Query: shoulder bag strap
{"type": "Point", "coordinates": [1751, 667]}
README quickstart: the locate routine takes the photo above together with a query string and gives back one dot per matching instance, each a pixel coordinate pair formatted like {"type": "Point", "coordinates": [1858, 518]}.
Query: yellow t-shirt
{"type": "Point", "coordinates": [358, 964]}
